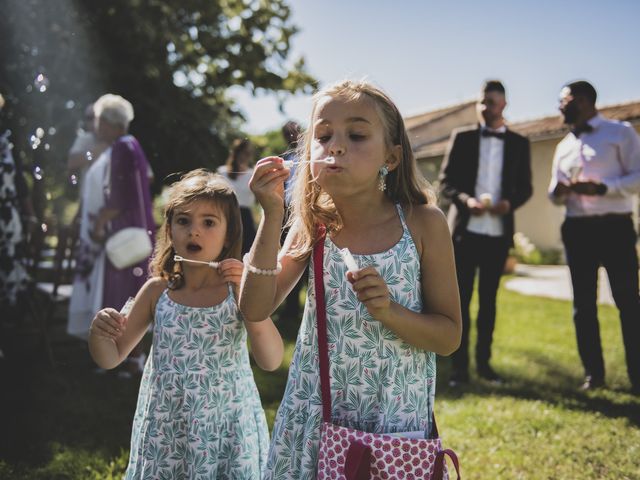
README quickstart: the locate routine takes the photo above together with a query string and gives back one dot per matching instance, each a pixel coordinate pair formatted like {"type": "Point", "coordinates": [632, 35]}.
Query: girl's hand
{"type": "Point", "coordinates": [108, 323]}
{"type": "Point", "coordinates": [267, 183]}
{"type": "Point", "coordinates": [372, 290]}
{"type": "Point", "coordinates": [231, 271]}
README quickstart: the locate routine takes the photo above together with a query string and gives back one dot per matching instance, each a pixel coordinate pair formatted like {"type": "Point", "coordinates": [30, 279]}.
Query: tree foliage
{"type": "Point", "coordinates": [269, 143]}
{"type": "Point", "coordinates": [174, 60]}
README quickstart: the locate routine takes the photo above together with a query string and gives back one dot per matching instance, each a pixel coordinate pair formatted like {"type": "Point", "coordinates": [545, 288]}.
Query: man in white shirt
{"type": "Point", "coordinates": [486, 175]}
{"type": "Point", "coordinates": [596, 174]}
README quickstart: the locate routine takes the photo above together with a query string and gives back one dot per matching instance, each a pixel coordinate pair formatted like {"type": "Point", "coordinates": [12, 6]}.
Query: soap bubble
{"type": "Point", "coordinates": [41, 82]}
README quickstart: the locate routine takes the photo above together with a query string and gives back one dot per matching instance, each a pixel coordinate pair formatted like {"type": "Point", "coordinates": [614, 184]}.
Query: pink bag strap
{"type": "Point", "coordinates": [321, 313]}
{"type": "Point", "coordinates": [438, 469]}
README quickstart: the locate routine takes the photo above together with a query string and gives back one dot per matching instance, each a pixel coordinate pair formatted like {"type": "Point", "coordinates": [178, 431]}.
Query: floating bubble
{"type": "Point", "coordinates": [37, 173]}
{"type": "Point", "coordinates": [149, 232]}
{"type": "Point", "coordinates": [70, 104]}
{"type": "Point", "coordinates": [73, 179]}
{"type": "Point", "coordinates": [41, 82]}
{"type": "Point", "coordinates": [34, 141]}
{"type": "Point", "coordinates": [89, 156]}
{"type": "Point", "coordinates": [138, 272]}
{"type": "Point", "coordinates": [47, 147]}
{"type": "Point", "coordinates": [44, 228]}
{"type": "Point", "coordinates": [51, 131]}
{"type": "Point", "coordinates": [40, 132]}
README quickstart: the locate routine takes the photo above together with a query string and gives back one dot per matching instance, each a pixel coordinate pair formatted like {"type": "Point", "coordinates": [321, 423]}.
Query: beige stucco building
{"type": "Point", "coordinates": [538, 219]}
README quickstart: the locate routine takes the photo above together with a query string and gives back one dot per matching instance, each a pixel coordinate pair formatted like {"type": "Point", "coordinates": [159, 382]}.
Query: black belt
{"type": "Point", "coordinates": [604, 216]}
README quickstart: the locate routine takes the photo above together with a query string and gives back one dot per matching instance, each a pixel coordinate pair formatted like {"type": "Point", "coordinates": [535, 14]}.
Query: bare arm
{"type": "Point", "coordinates": [112, 336]}
{"type": "Point", "coordinates": [439, 327]}
{"type": "Point", "coordinates": [266, 343]}
{"type": "Point", "coordinates": [76, 161]}
{"type": "Point", "coordinates": [80, 157]}
{"type": "Point", "coordinates": [260, 295]}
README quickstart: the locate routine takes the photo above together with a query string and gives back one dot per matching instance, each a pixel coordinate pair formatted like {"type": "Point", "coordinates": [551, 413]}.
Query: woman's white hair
{"type": "Point", "coordinates": [114, 109]}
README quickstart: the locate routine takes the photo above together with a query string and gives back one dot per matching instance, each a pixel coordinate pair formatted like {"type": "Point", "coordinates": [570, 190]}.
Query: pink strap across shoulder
{"type": "Point", "coordinates": [321, 313]}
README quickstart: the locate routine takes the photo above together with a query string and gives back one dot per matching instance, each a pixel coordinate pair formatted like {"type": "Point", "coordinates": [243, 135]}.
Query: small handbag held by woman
{"type": "Point", "coordinates": [131, 245]}
{"type": "Point", "coordinates": [349, 454]}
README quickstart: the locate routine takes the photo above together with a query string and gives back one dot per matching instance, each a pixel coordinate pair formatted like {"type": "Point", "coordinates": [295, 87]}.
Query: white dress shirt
{"type": "Point", "coordinates": [609, 154]}
{"type": "Point", "coordinates": [489, 181]}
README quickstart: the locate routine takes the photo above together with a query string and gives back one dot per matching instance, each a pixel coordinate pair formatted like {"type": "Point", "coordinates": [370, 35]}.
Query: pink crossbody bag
{"type": "Point", "coordinates": [349, 454]}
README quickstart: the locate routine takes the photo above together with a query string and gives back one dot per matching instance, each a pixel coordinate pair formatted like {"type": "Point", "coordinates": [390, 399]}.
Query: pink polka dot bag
{"type": "Point", "coordinates": [348, 454]}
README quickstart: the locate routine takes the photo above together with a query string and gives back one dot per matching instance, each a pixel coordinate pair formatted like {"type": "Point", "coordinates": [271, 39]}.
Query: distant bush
{"type": "Point", "coordinates": [526, 252]}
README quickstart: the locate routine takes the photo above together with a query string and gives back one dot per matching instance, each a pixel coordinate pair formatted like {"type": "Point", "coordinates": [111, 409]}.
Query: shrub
{"type": "Point", "coordinates": [526, 252]}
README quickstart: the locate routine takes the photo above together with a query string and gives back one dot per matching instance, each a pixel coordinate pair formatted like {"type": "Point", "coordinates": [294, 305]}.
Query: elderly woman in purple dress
{"type": "Point", "coordinates": [116, 195]}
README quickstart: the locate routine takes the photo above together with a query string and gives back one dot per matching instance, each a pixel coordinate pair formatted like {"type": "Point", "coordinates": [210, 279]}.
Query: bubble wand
{"type": "Point", "coordinates": [291, 163]}
{"type": "Point", "coordinates": [178, 258]}
{"type": "Point", "coordinates": [352, 265]}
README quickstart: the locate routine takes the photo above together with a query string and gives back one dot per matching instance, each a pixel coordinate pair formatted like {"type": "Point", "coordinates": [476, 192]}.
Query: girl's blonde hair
{"type": "Point", "coordinates": [405, 184]}
{"type": "Point", "coordinates": [198, 184]}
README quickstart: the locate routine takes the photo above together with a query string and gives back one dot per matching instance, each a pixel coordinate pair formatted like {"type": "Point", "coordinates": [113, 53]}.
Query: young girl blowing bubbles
{"type": "Point", "coordinates": [387, 320]}
{"type": "Point", "coordinates": [199, 413]}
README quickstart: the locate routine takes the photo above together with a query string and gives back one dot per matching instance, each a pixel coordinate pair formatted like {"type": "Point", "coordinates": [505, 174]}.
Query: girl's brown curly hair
{"type": "Point", "coordinates": [198, 184]}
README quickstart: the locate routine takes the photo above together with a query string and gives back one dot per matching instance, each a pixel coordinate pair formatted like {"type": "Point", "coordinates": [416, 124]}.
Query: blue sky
{"type": "Point", "coordinates": [429, 54]}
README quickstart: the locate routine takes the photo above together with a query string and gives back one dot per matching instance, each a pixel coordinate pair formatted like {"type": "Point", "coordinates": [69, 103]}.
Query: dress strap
{"type": "Point", "coordinates": [402, 219]}
{"type": "Point", "coordinates": [231, 297]}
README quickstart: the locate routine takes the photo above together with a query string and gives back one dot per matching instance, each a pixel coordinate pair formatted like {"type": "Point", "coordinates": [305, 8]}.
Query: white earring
{"type": "Point", "coordinates": [382, 177]}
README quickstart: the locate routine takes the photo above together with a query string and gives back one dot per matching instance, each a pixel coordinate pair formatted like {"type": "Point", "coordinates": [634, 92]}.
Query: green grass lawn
{"type": "Point", "coordinates": [71, 423]}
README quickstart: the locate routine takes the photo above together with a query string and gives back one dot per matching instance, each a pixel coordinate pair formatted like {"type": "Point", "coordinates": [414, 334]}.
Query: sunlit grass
{"type": "Point", "coordinates": [71, 423]}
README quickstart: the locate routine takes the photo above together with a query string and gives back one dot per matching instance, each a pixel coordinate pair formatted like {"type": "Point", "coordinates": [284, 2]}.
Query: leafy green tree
{"type": "Point", "coordinates": [269, 143]}
{"type": "Point", "coordinates": [175, 61]}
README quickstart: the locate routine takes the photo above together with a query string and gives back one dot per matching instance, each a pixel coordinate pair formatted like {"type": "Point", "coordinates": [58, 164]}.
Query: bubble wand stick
{"type": "Point", "coordinates": [291, 163]}
{"type": "Point", "coordinates": [178, 258]}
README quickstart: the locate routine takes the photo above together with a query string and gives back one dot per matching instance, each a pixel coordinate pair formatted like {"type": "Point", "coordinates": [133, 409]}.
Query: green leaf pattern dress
{"type": "Point", "coordinates": [199, 414]}
{"type": "Point", "coordinates": [379, 383]}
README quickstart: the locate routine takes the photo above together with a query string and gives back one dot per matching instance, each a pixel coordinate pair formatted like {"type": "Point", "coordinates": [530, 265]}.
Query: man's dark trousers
{"type": "Point", "coordinates": [487, 254]}
{"type": "Point", "coordinates": [610, 241]}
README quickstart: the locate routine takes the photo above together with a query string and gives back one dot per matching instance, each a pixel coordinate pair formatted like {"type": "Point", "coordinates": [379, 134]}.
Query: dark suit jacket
{"type": "Point", "coordinates": [460, 170]}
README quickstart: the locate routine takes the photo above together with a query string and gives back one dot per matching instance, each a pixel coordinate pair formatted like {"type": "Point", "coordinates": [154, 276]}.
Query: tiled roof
{"type": "Point", "coordinates": [536, 129]}
{"type": "Point", "coordinates": [552, 126]}
{"type": "Point", "coordinates": [432, 149]}
{"type": "Point", "coordinates": [432, 115]}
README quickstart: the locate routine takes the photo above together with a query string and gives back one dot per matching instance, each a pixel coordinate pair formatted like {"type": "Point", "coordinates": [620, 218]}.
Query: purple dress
{"type": "Point", "coordinates": [128, 193]}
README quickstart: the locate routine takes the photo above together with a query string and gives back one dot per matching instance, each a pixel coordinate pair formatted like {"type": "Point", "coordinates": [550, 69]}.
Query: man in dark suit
{"type": "Point", "coordinates": [486, 175]}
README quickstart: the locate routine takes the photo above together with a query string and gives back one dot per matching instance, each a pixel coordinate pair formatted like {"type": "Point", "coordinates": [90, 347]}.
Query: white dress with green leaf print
{"type": "Point", "coordinates": [199, 414]}
{"type": "Point", "coordinates": [379, 383]}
